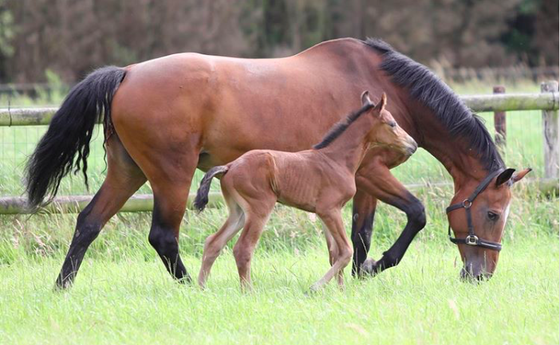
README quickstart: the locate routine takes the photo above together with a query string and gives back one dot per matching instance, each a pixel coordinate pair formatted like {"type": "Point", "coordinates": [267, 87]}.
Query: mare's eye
{"type": "Point", "coordinates": [393, 124]}
{"type": "Point", "coordinates": [493, 216]}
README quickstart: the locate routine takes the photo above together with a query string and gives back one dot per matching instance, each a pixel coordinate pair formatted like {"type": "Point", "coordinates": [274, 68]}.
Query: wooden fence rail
{"type": "Point", "coordinates": [76, 203]}
{"type": "Point", "coordinates": [547, 101]}
{"type": "Point", "coordinates": [145, 202]}
{"type": "Point", "coordinates": [478, 103]}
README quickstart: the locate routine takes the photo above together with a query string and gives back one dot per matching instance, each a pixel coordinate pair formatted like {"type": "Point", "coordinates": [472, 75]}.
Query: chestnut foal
{"type": "Point", "coordinates": [319, 180]}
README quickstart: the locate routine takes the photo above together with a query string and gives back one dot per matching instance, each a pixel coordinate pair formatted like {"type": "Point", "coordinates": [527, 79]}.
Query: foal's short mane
{"type": "Point", "coordinates": [337, 129]}
{"type": "Point", "coordinates": [450, 110]}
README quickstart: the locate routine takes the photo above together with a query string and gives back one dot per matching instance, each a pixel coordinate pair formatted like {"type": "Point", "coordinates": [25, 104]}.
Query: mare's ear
{"type": "Point", "coordinates": [382, 103]}
{"type": "Point", "coordinates": [504, 176]}
{"type": "Point", "coordinates": [365, 98]}
{"type": "Point", "coordinates": [517, 177]}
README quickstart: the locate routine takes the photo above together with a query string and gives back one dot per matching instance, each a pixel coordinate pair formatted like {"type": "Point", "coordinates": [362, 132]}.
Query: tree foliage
{"type": "Point", "coordinates": [71, 37]}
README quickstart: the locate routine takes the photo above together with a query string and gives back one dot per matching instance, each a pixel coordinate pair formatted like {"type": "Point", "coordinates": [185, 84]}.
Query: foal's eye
{"type": "Point", "coordinates": [393, 124]}
{"type": "Point", "coordinates": [493, 216]}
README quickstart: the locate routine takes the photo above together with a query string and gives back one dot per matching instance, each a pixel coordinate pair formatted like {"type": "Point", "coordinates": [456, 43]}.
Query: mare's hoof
{"type": "Point", "coordinates": [62, 285]}
{"type": "Point", "coordinates": [369, 268]}
{"type": "Point", "coordinates": [186, 279]}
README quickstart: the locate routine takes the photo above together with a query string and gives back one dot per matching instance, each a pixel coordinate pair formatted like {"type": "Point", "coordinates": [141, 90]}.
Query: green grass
{"type": "Point", "coordinates": [124, 295]}
{"type": "Point", "coordinates": [133, 300]}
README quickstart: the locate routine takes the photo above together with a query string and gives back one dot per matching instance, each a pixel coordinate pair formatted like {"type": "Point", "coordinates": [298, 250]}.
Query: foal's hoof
{"type": "Point", "coordinates": [368, 268]}
{"type": "Point", "coordinates": [313, 290]}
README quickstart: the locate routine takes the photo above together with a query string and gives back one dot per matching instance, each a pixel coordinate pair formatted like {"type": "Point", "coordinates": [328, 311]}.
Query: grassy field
{"type": "Point", "coordinates": [124, 295]}
{"type": "Point", "coordinates": [133, 301]}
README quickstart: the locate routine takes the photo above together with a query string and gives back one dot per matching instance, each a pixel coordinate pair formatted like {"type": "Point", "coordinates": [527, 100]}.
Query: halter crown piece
{"type": "Point", "coordinates": [472, 239]}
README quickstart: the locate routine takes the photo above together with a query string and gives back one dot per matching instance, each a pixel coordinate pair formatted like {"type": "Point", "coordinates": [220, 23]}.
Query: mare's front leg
{"type": "Point", "coordinates": [377, 180]}
{"type": "Point", "coordinates": [363, 213]}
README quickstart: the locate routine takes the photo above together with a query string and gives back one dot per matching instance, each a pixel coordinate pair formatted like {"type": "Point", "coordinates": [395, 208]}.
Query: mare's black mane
{"type": "Point", "coordinates": [449, 109]}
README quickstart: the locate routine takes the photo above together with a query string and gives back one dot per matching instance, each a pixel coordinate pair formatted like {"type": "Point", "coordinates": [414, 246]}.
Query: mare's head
{"type": "Point", "coordinates": [385, 131]}
{"type": "Point", "coordinates": [489, 209]}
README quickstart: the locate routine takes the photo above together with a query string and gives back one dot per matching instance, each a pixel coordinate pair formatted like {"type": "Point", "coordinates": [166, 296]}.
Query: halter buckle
{"type": "Point", "coordinates": [471, 240]}
{"type": "Point", "coordinates": [467, 204]}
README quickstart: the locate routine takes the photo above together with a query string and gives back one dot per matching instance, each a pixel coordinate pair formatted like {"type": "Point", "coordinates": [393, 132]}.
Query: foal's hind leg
{"type": "Point", "coordinates": [216, 242]}
{"type": "Point", "coordinates": [123, 179]}
{"type": "Point", "coordinates": [257, 213]}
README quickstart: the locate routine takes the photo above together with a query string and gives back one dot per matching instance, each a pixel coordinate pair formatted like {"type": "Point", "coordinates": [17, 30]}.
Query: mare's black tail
{"type": "Point", "coordinates": [202, 194]}
{"type": "Point", "coordinates": [70, 133]}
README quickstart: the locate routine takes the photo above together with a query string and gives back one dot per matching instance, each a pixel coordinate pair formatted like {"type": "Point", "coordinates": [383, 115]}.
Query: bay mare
{"type": "Point", "coordinates": [164, 118]}
{"type": "Point", "coordinates": [319, 180]}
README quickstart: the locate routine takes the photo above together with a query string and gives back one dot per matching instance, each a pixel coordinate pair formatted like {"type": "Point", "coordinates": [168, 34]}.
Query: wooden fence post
{"type": "Point", "coordinates": [500, 121]}
{"type": "Point", "coordinates": [550, 127]}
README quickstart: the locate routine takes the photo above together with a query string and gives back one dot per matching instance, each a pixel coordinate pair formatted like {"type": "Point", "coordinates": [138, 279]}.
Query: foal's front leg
{"type": "Point", "coordinates": [333, 255]}
{"type": "Point", "coordinates": [335, 228]}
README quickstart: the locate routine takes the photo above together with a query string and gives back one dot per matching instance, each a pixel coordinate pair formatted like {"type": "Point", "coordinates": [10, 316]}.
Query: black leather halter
{"type": "Point", "coordinates": [472, 239]}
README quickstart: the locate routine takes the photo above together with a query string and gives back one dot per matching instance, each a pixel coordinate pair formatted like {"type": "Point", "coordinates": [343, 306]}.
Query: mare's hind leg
{"type": "Point", "coordinates": [123, 179]}
{"type": "Point", "coordinates": [216, 242]}
{"type": "Point", "coordinates": [170, 175]}
{"type": "Point", "coordinates": [170, 200]}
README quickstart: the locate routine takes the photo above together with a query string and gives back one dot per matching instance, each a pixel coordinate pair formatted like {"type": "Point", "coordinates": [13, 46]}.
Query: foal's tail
{"type": "Point", "coordinates": [70, 133]}
{"type": "Point", "coordinates": [202, 194]}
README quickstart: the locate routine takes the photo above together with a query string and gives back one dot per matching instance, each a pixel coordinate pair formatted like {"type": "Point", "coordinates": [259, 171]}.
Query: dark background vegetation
{"type": "Point", "coordinates": [71, 37]}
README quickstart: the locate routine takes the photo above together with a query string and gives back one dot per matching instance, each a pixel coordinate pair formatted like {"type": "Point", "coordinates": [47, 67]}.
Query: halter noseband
{"type": "Point", "coordinates": [472, 239]}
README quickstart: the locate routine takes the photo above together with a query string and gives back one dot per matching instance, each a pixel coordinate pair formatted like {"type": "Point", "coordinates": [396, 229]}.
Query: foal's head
{"type": "Point", "coordinates": [386, 132]}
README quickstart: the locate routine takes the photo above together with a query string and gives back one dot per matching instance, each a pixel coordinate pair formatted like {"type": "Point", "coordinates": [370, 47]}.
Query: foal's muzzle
{"type": "Point", "coordinates": [412, 147]}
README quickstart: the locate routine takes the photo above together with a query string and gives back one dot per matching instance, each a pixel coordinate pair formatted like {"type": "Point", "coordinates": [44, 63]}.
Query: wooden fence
{"type": "Point", "coordinates": [499, 103]}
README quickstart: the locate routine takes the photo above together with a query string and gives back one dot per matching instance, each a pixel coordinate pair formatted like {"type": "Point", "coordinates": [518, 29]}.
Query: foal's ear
{"type": "Point", "coordinates": [365, 98]}
{"type": "Point", "coordinates": [517, 177]}
{"type": "Point", "coordinates": [382, 103]}
{"type": "Point", "coordinates": [504, 177]}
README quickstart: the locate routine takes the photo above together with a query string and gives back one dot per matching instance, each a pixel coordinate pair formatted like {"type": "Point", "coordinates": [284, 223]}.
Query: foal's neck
{"type": "Point", "coordinates": [350, 147]}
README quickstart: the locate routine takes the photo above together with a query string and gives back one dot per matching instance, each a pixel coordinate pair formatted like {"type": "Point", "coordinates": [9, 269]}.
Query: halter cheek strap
{"type": "Point", "coordinates": [472, 239]}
